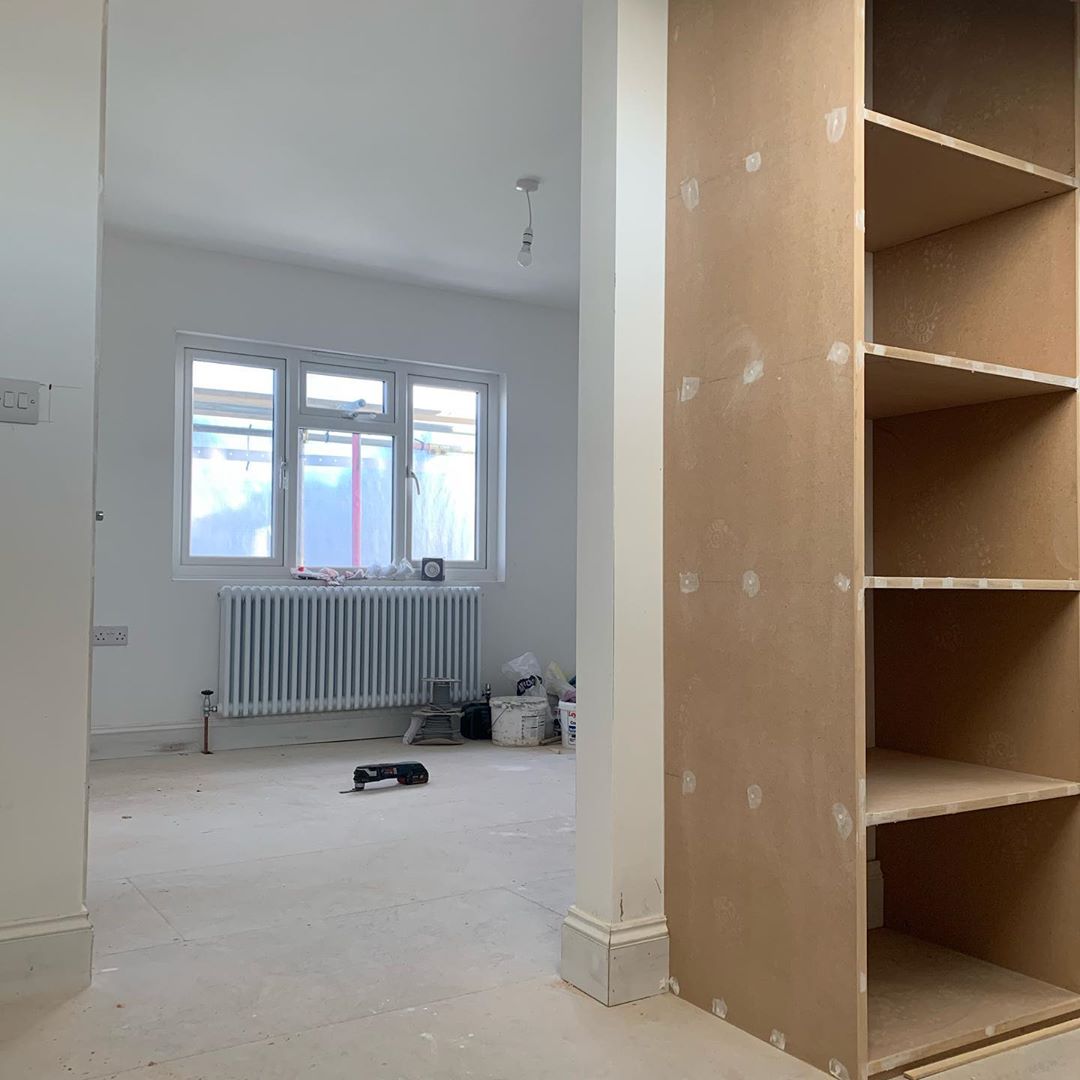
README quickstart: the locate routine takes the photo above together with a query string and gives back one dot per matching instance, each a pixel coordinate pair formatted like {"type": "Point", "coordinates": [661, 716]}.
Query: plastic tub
{"type": "Point", "coordinates": [519, 721]}
{"type": "Point", "coordinates": [568, 723]}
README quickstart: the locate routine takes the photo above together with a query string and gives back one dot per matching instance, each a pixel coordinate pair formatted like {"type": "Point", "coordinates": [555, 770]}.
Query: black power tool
{"type": "Point", "coordinates": [404, 772]}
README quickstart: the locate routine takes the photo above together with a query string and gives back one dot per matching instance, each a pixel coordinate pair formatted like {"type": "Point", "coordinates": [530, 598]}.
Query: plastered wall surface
{"type": "Point", "coordinates": [50, 81]}
{"type": "Point", "coordinates": [152, 290]}
{"type": "Point", "coordinates": [620, 818]}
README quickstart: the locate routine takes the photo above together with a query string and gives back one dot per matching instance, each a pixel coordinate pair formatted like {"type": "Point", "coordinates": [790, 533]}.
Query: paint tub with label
{"type": "Point", "coordinates": [519, 721]}
{"type": "Point", "coordinates": [568, 723]}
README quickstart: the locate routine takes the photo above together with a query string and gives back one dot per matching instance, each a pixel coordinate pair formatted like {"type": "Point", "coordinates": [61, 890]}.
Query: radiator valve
{"type": "Point", "coordinates": [208, 707]}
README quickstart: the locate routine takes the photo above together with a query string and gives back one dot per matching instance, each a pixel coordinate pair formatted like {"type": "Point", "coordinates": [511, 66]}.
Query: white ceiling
{"type": "Point", "coordinates": [377, 136]}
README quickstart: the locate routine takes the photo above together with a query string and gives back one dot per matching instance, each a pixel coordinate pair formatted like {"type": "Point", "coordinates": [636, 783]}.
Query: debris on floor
{"type": "Point", "coordinates": [438, 723]}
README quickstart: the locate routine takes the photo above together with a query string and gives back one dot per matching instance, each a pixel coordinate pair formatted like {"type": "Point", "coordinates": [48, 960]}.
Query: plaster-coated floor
{"type": "Point", "coordinates": [254, 924]}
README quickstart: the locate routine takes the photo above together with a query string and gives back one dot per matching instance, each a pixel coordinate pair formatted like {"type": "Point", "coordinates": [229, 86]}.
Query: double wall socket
{"type": "Point", "coordinates": [109, 635]}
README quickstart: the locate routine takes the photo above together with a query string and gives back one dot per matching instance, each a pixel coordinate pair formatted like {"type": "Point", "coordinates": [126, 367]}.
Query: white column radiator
{"type": "Point", "coordinates": [311, 649]}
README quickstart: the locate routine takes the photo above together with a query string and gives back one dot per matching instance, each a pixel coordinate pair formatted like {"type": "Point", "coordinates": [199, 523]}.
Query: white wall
{"type": "Point", "coordinates": [153, 290]}
{"type": "Point", "coordinates": [50, 124]}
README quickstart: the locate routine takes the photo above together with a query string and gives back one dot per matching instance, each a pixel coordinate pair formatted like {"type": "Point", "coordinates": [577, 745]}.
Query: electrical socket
{"type": "Point", "coordinates": [109, 635]}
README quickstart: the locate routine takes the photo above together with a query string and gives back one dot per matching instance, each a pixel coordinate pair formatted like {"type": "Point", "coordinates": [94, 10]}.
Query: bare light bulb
{"type": "Point", "coordinates": [527, 185]}
{"type": "Point", "coordinates": [525, 254]}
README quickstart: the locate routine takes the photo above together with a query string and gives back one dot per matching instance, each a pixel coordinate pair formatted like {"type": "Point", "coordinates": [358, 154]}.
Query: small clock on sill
{"type": "Point", "coordinates": [433, 569]}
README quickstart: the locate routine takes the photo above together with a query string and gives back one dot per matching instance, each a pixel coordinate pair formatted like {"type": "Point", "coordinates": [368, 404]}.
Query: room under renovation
{"type": "Point", "coordinates": [543, 540]}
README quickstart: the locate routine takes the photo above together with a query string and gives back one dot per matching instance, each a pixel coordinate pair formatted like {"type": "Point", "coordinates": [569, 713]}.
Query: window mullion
{"type": "Point", "coordinates": [402, 463]}
{"type": "Point", "coordinates": [480, 543]}
{"type": "Point", "coordinates": [291, 455]}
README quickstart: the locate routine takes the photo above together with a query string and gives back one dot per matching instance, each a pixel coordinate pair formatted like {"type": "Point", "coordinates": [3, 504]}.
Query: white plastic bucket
{"type": "Point", "coordinates": [568, 723]}
{"type": "Point", "coordinates": [519, 721]}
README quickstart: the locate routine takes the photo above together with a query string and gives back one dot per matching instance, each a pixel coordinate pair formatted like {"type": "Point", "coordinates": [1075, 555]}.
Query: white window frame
{"type": "Point", "coordinates": [292, 415]}
{"type": "Point", "coordinates": [333, 366]}
{"type": "Point", "coordinates": [276, 364]}
{"type": "Point", "coordinates": [483, 392]}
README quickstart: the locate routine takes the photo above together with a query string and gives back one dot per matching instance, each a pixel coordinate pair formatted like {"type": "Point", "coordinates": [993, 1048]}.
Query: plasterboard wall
{"type": "Point", "coordinates": [50, 124]}
{"type": "Point", "coordinates": [150, 291]}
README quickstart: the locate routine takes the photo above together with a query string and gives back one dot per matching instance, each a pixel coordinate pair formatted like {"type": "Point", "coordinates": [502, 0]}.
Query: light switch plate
{"type": "Point", "coordinates": [19, 401]}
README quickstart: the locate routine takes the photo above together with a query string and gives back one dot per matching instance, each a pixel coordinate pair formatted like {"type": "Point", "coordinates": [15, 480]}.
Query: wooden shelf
{"type": "Point", "coordinates": [1014, 584]}
{"type": "Point", "coordinates": [925, 1000]}
{"type": "Point", "coordinates": [920, 182]}
{"type": "Point", "coordinates": [902, 787]}
{"type": "Point", "coordinates": [1019, 1047]}
{"type": "Point", "coordinates": [966, 465]}
{"type": "Point", "coordinates": [902, 381]}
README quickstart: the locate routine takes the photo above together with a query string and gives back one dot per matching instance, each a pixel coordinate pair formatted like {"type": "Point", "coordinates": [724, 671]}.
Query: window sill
{"type": "Point", "coordinates": [274, 575]}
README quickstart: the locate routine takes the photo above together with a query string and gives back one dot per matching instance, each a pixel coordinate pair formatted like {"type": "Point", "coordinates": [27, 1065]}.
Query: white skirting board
{"type": "Point", "coordinates": [45, 956]}
{"type": "Point", "coordinates": [615, 963]}
{"type": "Point", "coordinates": [245, 734]}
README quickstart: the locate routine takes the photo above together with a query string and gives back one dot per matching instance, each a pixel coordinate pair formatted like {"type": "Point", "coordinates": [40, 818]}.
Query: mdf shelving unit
{"type": "Point", "coordinates": [872, 528]}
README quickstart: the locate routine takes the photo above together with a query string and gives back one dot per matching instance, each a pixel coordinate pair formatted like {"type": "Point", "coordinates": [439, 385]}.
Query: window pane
{"type": "Point", "coordinates": [346, 394]}
{"type": "Point", "coordinates": [444, 457]}
{"type": "Point", "coordinates": [346, 499]}
{"type": "Point", "coordinates": [232, 460]}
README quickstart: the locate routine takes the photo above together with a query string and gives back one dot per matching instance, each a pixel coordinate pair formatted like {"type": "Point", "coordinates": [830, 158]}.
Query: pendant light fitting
{"type": "Point", "coordinates": [528, 185]}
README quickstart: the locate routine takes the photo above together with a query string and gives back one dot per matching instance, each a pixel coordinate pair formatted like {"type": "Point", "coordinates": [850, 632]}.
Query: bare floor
{"type": "Point", "coordinates": [254, 924]}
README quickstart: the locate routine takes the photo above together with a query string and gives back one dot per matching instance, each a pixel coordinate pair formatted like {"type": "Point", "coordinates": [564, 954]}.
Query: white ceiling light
{"type": "Point", "coordinates": [528, 184]}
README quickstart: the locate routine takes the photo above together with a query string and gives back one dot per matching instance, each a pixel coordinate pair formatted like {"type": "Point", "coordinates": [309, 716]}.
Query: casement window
{"type": "Point", "coordinates": [288, 457]}
{"type": "Point", "coordinates": [233, 454]}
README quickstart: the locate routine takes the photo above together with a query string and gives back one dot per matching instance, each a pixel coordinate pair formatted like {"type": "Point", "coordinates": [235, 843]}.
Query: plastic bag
{"type": "Point", "coordinates": [391, 572]}
{"type": "Point", "coordinates": [556, 683]}
{"type": "Point", "coordinates": [525, 671]}
{"type": "Point", "coordinates": [326, 574]}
